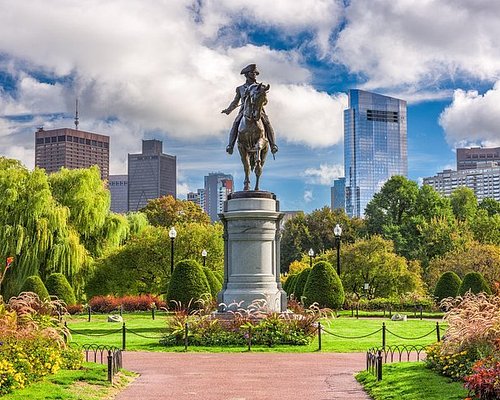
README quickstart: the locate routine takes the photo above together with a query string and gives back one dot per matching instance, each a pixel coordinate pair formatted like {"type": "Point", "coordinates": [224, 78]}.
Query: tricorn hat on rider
{"type": "Point", "coordinates": [250, 68]}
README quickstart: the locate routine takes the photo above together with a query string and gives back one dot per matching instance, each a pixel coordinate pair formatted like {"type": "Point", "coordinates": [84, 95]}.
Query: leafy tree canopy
{"type": "Point", "coordinates": [464, 203]}
{"type": "Point", "coordinates": [373, 261]}
{"type": "Point", "coordinates": [168, 211]}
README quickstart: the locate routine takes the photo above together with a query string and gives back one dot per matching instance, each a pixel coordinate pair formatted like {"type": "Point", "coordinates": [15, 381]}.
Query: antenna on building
{"type": "Point", "coordinates": [76, 115]}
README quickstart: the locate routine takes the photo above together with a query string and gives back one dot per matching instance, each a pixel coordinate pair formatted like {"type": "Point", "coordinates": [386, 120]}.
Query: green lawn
{"type": "Point", "coordinates": [89, 383]}
{"type": "Point", "coordinates": [411, 381]}
{"type": "Point", "coordinates": [143, 333]}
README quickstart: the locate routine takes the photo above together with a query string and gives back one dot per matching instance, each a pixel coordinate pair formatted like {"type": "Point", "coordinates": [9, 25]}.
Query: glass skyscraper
{"type": "Point", "coordinates": [374, 146]}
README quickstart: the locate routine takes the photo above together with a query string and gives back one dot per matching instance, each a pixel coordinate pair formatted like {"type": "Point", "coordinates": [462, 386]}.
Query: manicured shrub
{"type": "Point", "coordinates": [301, 283]}
{"type": "Point", "coordinates": [447, 286]}
{"type": "Point", "coordinates": [104, 304]}
{"type": "Point", "coordinates": [34, 284]}
{"type": "Point", "coordinates": [58, 285]}
{"type": "Point", "coordinates": [188, 285]}
{"type": "Point", "coordinates": [474, 282]}
{"type": "Point", "coordinates": [324, 287]}
{"type": "Point", "coordinates": [290, 284]}
{"type": "Point", "coordinates": [143, 302]}
{"type": "Point", "coordinates": [213, 282]}
{"type": "Point", "coordinates": [75, 309]}
{"type": "Point", "coordinates": [220, 276]}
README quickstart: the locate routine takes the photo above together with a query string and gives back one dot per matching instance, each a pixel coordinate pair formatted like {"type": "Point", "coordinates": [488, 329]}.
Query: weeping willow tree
{"type": "Point", "coordinates": [34, 229]}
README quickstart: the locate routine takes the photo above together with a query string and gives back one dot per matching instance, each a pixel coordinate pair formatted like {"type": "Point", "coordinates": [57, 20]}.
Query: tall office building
{"type": "Point", "coordinates": [338, 194]}
{"type": "Point", "coordinates": [218, 186]}
{"type": "Point", "coordinates": [197, 198]}
{"type": "Point", "coordinates": [118, 188]}
{"type": "Point", "coordinates": [151, 174]}
{"type": "Point", "coordinates": [468, 158]}
{"type": "Point", "coordinates": [484, 180]}
{"type": "Point", "coordinates": [374, 146]}
{"type": "Point", "coordinates": [71, 148]}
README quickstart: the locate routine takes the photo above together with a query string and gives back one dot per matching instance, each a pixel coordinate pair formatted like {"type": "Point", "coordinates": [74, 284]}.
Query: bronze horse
{"type": "Point", "coordinates": [252, 141]}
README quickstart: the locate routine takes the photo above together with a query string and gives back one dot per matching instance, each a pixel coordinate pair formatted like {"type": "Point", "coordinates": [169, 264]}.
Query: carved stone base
{"type": "Point", "coordinates": [251, 252]}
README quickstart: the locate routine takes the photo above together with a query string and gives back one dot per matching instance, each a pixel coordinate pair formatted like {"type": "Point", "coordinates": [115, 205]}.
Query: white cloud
{"type": "Point", "coordinates": [411, 43]}
{"type": "Point", "coordinates": [163, 67]}
{"type": "Point", "coordinates": [183, 189]}
{"type": "Point", "coordinates": [308, 196]}
{"type": "Point", "coordinates": [324, 175]}
{"type": "Point", "coordinates": [472, 118]}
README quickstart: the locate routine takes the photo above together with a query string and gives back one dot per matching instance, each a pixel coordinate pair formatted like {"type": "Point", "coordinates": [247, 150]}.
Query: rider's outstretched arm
{"type": "Point", "coordinates": [233, 104]}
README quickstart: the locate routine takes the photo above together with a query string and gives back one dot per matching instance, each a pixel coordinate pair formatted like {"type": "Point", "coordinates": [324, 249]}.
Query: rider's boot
{"type": "Point", "coordinates": [269, 133]}
{"type": "Point", "coordinates": [232, 139]}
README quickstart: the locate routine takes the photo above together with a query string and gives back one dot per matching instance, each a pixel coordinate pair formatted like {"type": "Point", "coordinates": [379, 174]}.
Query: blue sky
{"type": "Point", "coordinates": [166, 69]}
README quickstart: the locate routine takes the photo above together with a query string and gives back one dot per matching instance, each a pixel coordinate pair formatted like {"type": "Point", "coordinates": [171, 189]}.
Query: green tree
{"type": "Point", "coordinates": [373, 261]}
{"type": "Point", "coordinates": [474, 257]}
{"type": "Point", "coordinates": [35, 229]}
{"type": "Point", "coordinates": [447, 286]}
{"type": "Point", "coordinates": [143, 264]}
{"type": "Point", "coordinates": [474, 282]}
{"type": "Point", "coordinates": [490, 205]}
{"type": "Point", "coordinates": [486, 228]}
{"type": "Point", "coordinates": [392, 205]}
{"type": "Point", "coordinates": [315, 230]}
{"type": "Point", "coordinates": [34, 284]}
{"type": "Point", "coordinates": [168, 211]}
{"type": "Point", "coordinates": [324, 287]}
{"type": "Point", "coordinates": [58, 285]}
{"type": "Point", "coordinates": [464, 203]}
{"type": "Point", "coordinates": [188, 284]}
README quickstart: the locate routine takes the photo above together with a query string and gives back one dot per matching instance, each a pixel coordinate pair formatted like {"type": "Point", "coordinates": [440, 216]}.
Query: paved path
{"type": "Point", "coordinates": [244, 376]}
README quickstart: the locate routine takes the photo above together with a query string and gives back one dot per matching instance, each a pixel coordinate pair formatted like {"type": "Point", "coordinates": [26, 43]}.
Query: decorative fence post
{"type": "Point", "coordinates": [90, 311]}
{"type": "Point", "coordinates": [357, 311]}
{"type": "Point", "coordinates": [438, 334]}
{"type": "Point", "coordinates": [110, 367]}
{"type": "Point", "coordinates": [421, 308]}
{"type": "Point", "coordinates": [249, 339]}
{"type": "Point", "coordinates": [186, 332]}
{"type": "Point", "coordinates": [379, 366]}
{"type": "Point", "coordinates": [383, 334]}
{"type": "Point", "coordinates": [124, 337]}
{"type": "Point", "coordinates": [153, 312]}
{"type": "Point", "coordinates": [319, 336]}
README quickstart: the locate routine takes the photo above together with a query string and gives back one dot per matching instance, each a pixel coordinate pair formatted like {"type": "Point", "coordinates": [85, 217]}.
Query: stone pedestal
{"type": "Point", "coordinates": [251, 251]}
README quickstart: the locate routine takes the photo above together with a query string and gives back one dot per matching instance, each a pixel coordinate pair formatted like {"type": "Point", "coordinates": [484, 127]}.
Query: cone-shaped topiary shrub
{"type": "Point", "coordinates": [220, 276]}
{"type": "Point", "coordinates": [447, 286]}
{"type": "Point", "coordinates": [290, 284]}
{"type": "Point", "coordinates": [213, 282]}
{"type": "Point", "coordinates": [474, 282]}
{"type": "Point", "coordinates": [58, 285]}
{"type": "Point", "coordinates": [34, 284]}
{"type": "Point", "coordinates": [188, 284]}
{"type": "Point", "coordinates": [324, 287]}
{"type": "Point", "coordinates": [301, 283]}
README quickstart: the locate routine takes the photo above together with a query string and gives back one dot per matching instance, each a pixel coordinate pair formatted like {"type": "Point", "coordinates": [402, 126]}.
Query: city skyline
{"type": "Point", "coordinates": [174, 88]}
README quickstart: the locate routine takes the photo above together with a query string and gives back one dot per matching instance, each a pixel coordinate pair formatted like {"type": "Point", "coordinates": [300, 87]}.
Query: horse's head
{"type": "Point", "coordinates": [257, 96]}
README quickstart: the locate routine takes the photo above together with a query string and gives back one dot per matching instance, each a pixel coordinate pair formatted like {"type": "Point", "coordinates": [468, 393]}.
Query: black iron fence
{"type": "Point", "coordinates": [104, 354]}
{"type": "Point", "coordinates": [377, 356]}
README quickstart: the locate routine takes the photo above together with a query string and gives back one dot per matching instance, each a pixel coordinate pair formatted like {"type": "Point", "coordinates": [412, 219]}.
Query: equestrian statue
{"type": "Point", "coordinates": [251, 126]}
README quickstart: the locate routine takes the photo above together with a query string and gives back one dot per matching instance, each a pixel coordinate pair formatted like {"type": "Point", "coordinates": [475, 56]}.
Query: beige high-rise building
{"type": "Point", "coordinates": [72, 149]}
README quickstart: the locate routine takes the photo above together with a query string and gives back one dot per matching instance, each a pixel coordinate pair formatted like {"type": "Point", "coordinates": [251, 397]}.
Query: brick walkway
{"type": "Point", "coordinates": [244, 376]}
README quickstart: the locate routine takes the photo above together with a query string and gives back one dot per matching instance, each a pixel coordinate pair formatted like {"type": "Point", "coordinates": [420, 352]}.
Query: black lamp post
{"type": "Point", "coordinates": [337, 231]}
{"type": "Point", "coordinates": [204, 255]}
{"type": "Point", "coordinates": [172, 233]}
{"type": "Point", "coordinates": [311, 255]}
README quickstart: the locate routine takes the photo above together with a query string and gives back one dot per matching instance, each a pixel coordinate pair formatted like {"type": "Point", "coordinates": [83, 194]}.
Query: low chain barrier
{"type": "Point", "coordinates": [376, 356]}
{"type": "Point", "coordinates": [110, 354]}
{"type": "Point", "coordinates": [384, 331]}
{"type": "Point", "coordinates": [319, 329]}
